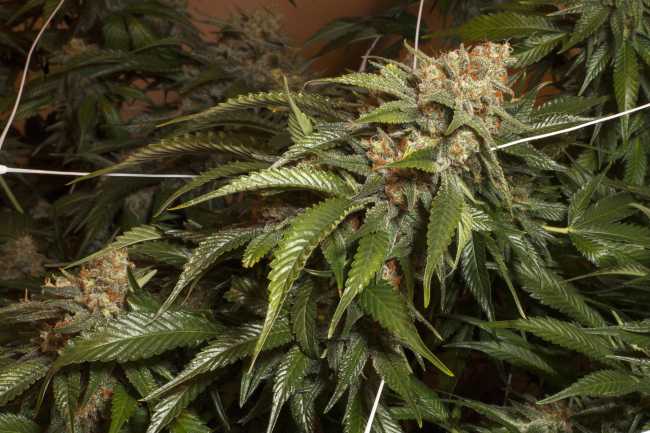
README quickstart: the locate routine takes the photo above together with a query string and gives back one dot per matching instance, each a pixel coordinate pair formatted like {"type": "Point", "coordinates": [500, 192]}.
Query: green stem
{"type": "Point", "coordinates": [11, 196]}
{"type": "Point", "coordinates": [562, 230]}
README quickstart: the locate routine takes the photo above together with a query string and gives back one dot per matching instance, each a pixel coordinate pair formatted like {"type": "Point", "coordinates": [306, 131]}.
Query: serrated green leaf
{"type": "Point", "coordinates": [169, 408]}
{"type": "Point", "coordinates": [474, 270]}
{"type": "Point", "coordinates": [303, 407]}
{"type": "Point", "coordinates": [307, 231]}
{"type": "Point", "coordinates": [352, 364]}
{"type": "Point", "coordinates": [515, 354]}
{"type": "Point", "coordinates": [444, 216]}
{"type": "Point", "coordinates": [429, 404]}
{"type": "Point", "coordinates": [551, 290]}
{"type": "Point", "coordinates": [182, 145]}
{"type": "Point", "coordinates": [610, 209]}
{"type": "Point", "coordinates": [132, 237]}
{"type": "Point", "coordinates": [303, 121]}
{"type": "Point", "coordinates": [368, 262]}
{"type": "Point", "coordinates": [504, 272]}
{"type": "Point", "coordinates": [10, 423]}
{"type": "Point", "coordinates": [604, 383]}
{"type": "Point", "coordinates": [307, 102]}
{"type": "Point", "coordinates": [205, 255]}
{"type": "Point", "coordinates": [636, 163]}
{"type": "Point", "coordinates": [505, 25]}
{"type": "Point", "coordinates": [354, 418]}
{"type": "Point", "coordinates": [581, 199]}
{"type": "Point", "coordinates": [596, 64]}
{"type": "Point", "coordinates": [260, 246]}
{"type": "Point", "coordinates": [534, 157]}
{"type": "Point", "coordinates": [393, 112]}
{"type": "Point", "coordinates": [421, 159]}
{"type": "Point", "coordinates": [137, 335]}
{"type": "Point", "coordinates": [189, 422]}
{"type": "Point", "coordinates": [388, 308]}
{"type": "Point", "coordinates": [568, 336]}
{"type": "Point", "coordinates": [16, 378]}
{"type": "Point", "coordinates": [326, 136]}
{"type": "Point", "coordinates": [291, 372]}
{"type": "Point", "coordinates": [303, 319]}
{"type": "Point", "coordinates": [262, 371]}
{"type": "Point", "coordinates": [122, 408]}
{"type": "Point", "coordinates": [301, 178]}
{"type": "Point", "coordinates": [141, 378]}
{"type": "Point", "coordinates": [397, 375]}
{"type": "Point", "coordinates": [356, 164]}
{"type": "Point", "coordinates": [535, 48]}
{"type": "Point", "coordinates": [568, 104]}
{"type": "Point", "coordinates": [334, 250]}
{"type": "Point", "coordinates": [630, 234]}
{"type": "Point", "coordinates": [626, 80]}
{"type": "Point", "coordinates": [229, 347]}
{"type": "Point", "coordinates": [66, 389]}
{"type": "Point", "coordinates": [375, 83]}
{"type": "Point", "coordinates": [592, 18]}
{"type": "Point", "coordinates": [228, 169]}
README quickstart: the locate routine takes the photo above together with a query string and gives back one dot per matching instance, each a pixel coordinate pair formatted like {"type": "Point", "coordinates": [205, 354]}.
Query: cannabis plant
{"type": "Point", "coordinates": [400, 185]}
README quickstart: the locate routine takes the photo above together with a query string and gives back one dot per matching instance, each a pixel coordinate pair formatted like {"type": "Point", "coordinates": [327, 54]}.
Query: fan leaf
{"type": "Point", "coordinates": [122, 408]}
{"type": "Point", "coordinates": [307, 231]}
{"type": "Point", "coordinates": [352, 364]}
{"type": "Point", "coordinates": [205, 255]}
{"type": "Point", "coordinates": [16, 378]}
{"type": "Point", "coordinates": [388, 308]}
{"type": "Point", "coordinates": [229, 347]}
{"type": "Point", "coordinates": [303, 178]}
{"type": "Point", "coordinates": [10, 423]}
{"type": "Point", "coordinates": [444, 216]}
{"type": "Point", "coordinates": [137, 336]}
{"type": "Point", "coordinates": [505, 25]}
{"type": "Point", "coordinates": [603, 383]}
{"type": "Point", "coordinates": [368, 262]}
{"type": "Point", "coordinates": [169, 408]}
{"type": "Point", "coordinates": [290, 375]}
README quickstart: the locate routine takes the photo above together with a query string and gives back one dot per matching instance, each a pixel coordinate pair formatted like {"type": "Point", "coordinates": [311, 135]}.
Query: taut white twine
{"type": "Point", "coordinates": [416, 46]}
{"type": "Point", "coordinates": [573, 128]}
{"type": "Point", "coordinates": [375, 405]}
{"type": "Point", "coordinates": [4, 169]}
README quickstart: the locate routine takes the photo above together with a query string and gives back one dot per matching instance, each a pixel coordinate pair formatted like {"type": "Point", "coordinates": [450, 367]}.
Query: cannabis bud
{"type": "Point", "coordinates": [102, 284]}
{"type": "Point", "coordinates": [449, 111]}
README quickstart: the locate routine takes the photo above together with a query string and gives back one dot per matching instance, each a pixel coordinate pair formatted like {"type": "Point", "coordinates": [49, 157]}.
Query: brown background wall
{"type": "Point", "coordinates": [305, 19]}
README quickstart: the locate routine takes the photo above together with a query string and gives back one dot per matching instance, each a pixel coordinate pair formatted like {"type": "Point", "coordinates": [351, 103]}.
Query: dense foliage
{"type": "Point", "coordinates": [340, 233]}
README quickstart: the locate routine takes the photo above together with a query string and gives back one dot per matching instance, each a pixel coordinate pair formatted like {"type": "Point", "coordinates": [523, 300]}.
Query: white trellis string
{"type": "Point", "coordinates": [375, 405]}
{"type": "Point", "coordinates": [21, 87]}
{"type": "Point", "coordinates": [364, 62]}
{"type": "Point", "coordinates": [416, 46]}
{"type": "Point", "coordinates": [573, 128]}
{"type": "Point", "coordinates": [4, 169]}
